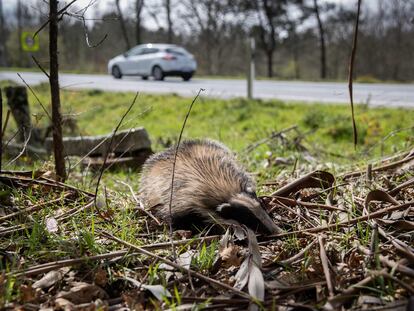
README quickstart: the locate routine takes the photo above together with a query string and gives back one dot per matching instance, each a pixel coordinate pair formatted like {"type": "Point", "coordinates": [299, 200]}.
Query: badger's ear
{"type": "Point", "coordinates": [223, 208]}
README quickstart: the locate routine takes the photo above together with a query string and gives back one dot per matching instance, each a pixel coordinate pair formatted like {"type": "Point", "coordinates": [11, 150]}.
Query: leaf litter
{"type": "Point", "coordinates": [347, 245]}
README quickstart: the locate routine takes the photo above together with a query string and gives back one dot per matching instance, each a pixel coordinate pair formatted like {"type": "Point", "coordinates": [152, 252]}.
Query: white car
{"type": "Point", "coordinates": [156, 60]}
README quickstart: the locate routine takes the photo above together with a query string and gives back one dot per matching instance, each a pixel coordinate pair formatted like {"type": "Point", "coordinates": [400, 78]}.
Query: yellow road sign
{"type": "Point", "coordinates": [29, 44]}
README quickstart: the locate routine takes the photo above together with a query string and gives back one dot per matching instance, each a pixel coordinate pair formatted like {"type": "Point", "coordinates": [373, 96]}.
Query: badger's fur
{"type": "Point", "coordinates": [209, 187]}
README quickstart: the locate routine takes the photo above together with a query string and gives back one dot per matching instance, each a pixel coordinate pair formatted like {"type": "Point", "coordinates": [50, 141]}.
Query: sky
{"type": "Point", "coordinates": [126, 5]}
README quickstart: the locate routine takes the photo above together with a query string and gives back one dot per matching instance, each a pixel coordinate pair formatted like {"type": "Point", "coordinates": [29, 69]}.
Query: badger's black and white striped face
{"type": "Point", "coordinates": [247, 209]}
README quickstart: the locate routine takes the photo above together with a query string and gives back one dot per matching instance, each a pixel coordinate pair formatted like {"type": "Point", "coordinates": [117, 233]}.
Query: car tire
{"type": "Point", "coordinates": [157, 73]}
{"type": "Point", "coordinates": [144, 77]}
{"type": "Point", "coordinates": [116, 72]}
{"type": "Point", "coordinates": [187, 76]}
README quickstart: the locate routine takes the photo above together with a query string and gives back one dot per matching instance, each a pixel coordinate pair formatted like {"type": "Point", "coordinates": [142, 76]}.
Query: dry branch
{"type": "Point", "coordinates": [180, 268]}
{"type": "Point", "coordinates": [351, 72]}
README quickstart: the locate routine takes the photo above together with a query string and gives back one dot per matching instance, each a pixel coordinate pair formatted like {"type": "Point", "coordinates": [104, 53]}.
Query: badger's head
{"type": "Point", "coordinates": [247, 209]}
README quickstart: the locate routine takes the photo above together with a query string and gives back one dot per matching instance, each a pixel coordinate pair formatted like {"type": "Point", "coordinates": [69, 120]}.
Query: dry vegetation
{"type": "Point", "coordinates": [347, 244]}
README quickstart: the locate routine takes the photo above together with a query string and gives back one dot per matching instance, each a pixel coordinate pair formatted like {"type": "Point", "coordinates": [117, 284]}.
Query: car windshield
{"type": "Point", "coordinates": [178, 51]}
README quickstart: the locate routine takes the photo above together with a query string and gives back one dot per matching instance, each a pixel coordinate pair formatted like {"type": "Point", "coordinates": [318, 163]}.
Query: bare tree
{"type": "Point", "coordinates": [122, 23]}
{"type": "Point", "coordinates": [209, 18]}
{"type": "Point", "coordinates": [139, 5]}
{"type": "Point", "coordinates": [267, 31]}
{"type": "Point", "coordinates": [273, 17]}
{"type": "Point", "coordinates": [54, 90]}
{"type": "Point", "coordinates": [321, 39]}
{"type": "Point", "coordinates": [19, 13]}
{"type": "Point", "coordinates": [3, 31]}
{"type": "Point", "coordinates": [167, 4]}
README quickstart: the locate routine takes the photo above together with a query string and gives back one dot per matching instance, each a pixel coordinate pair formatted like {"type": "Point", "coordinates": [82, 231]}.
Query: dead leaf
{"type": "Point", "coordinates": [368, 301]}
{"type": "Point", "coordinates": [379, 195]}
{"type": "Point", "coordinates": [52, 225]}
{"type": "Point", "coordinates": [49, 175]}
{"type": "Point", "coordinates": [27, 293]}
{"type": "Point", "coordinates": [134, 300]}
{"type": "Point", "coordinates": [242, 276]}
{"type": "Point", "coordinates": [229, 256]}
{"type": "Point", "coordinates": [83, 293]}
{"type": "Point", "coordinates": [183, 234]}
{"type": "Point", "coordinates": [316, 179]}
{"type": "Point", "coordinates": [101, 277]}
{"type": "Point", "coordinates": [397, 224]}
{"type": "Point", "coordinates": [256, 284]}
{"type": "Point", "coordinates": [64, 304]}
{"type": "Point", "coordinates": [185, 259]}
{"type": "Point", "coordinates": [49, 279]}
{"type": "Point", "coordinates": [254, 248]}
{"type": "Point", "coordinates": [158, 291]}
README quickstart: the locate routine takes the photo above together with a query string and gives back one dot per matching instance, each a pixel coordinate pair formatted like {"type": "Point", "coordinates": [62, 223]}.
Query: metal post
{"type": "Point", "coordinates": [251, 71]}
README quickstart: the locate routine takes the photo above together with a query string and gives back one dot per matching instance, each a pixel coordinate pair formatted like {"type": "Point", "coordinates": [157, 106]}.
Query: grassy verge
{"type": "Point", "coordinates": [238, 122]}
{"type": "Point", "coordinates": [323, 131]}
{"type": "Point", "coordinates": [65, 226]}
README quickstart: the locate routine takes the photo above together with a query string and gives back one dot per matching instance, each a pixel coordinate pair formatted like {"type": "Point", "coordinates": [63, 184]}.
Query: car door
{"type": "Point", "coordinates": [132, 59]}
{"type": "Point", "coordinates": [145, 63]}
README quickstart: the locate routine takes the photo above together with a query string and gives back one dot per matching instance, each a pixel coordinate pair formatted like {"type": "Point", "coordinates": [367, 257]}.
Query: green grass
{"type": "Point", "coordinates": [325, 130]}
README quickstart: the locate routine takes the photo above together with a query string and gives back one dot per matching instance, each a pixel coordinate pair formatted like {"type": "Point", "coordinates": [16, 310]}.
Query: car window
{"type": "Point", "coordinates": [135, 51]}
{"type": "Point", "coordinates": [177, 51]}
{"type": "Point", "coordinates": [150, 51]}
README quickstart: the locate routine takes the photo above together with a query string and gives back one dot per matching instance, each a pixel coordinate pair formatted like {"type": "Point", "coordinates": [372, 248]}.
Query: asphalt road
{"type": "Point", "coordinates": [376, 94]}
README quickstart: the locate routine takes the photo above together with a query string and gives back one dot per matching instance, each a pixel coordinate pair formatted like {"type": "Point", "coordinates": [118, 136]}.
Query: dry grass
{"type": "Point", "coordinates": [347, 243]}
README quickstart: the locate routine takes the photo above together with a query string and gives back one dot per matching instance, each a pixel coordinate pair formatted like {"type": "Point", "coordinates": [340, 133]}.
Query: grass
{"type": "Point", "coordinates": [325, 130]}
{"type": "Point", "coordinates": [322, 139]}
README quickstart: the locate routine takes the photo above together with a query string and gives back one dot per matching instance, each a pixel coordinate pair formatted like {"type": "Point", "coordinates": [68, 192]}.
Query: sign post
{"type": "Point", "coordinates": [29, 43]}
{"type": "Point", "coordinates": [251, 71]}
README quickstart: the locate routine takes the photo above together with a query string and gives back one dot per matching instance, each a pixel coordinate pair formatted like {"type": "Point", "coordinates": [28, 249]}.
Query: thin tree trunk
{"type": "Point", "coordinates": [321, 39]}
{"type": "Point", "coordinates": [122, 23]}
{"type": "Point", "coordinates": [139, 4]}
{"type": "Point", "coordinates": [19, 31]}
{"type": "Point", "coordinates": [296, 62]}
{"type": "Point", "coordinates": [269, 54]}
{"type": "Point", "coordinates": [54, 91]}
{"type": "Point", "coordinates": [169, 21]}
{"type": "Point", "coordinates": [3, 48]}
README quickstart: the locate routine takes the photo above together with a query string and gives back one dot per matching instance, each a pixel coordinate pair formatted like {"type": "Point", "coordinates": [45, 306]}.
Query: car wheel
{"type": "Point", "coordinates": [157, 73]}
{"type": "Point", "coordinates": [187, 76]}
{"type": "Point", "coordinates": [144, 77]}
{"type": "Point", "coordinates": [116, 72]}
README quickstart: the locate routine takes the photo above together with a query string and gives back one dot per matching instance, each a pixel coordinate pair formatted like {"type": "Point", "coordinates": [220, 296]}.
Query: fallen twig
{"type": "Point", "coordinates": [293, 203]}
{"type": "Point", "coordinates": [380, 168]}
{"type": "Point", "coordinates": [181, 268]}
{"type": "Point", "coordinates": [353, 221]}
{"type": "Point", "coordinates": [298, 255]}
{"type": "Point", "coordinates": [335, 302]}
{"type": "Point", "coordinates": [390, 263]}
{"type": "Point", "coordinates": [33, 208]}
{"type": "Point", "coordinates": [325, 265]}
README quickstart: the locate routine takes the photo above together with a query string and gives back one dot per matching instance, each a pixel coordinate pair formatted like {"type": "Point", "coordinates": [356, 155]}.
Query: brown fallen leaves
{"type": "Point", "coordinates": [347, 245]}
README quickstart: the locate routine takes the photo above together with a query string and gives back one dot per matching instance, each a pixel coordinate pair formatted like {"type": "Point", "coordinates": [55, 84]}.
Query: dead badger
{"type": "Point", "coordinates": [209, 187]}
